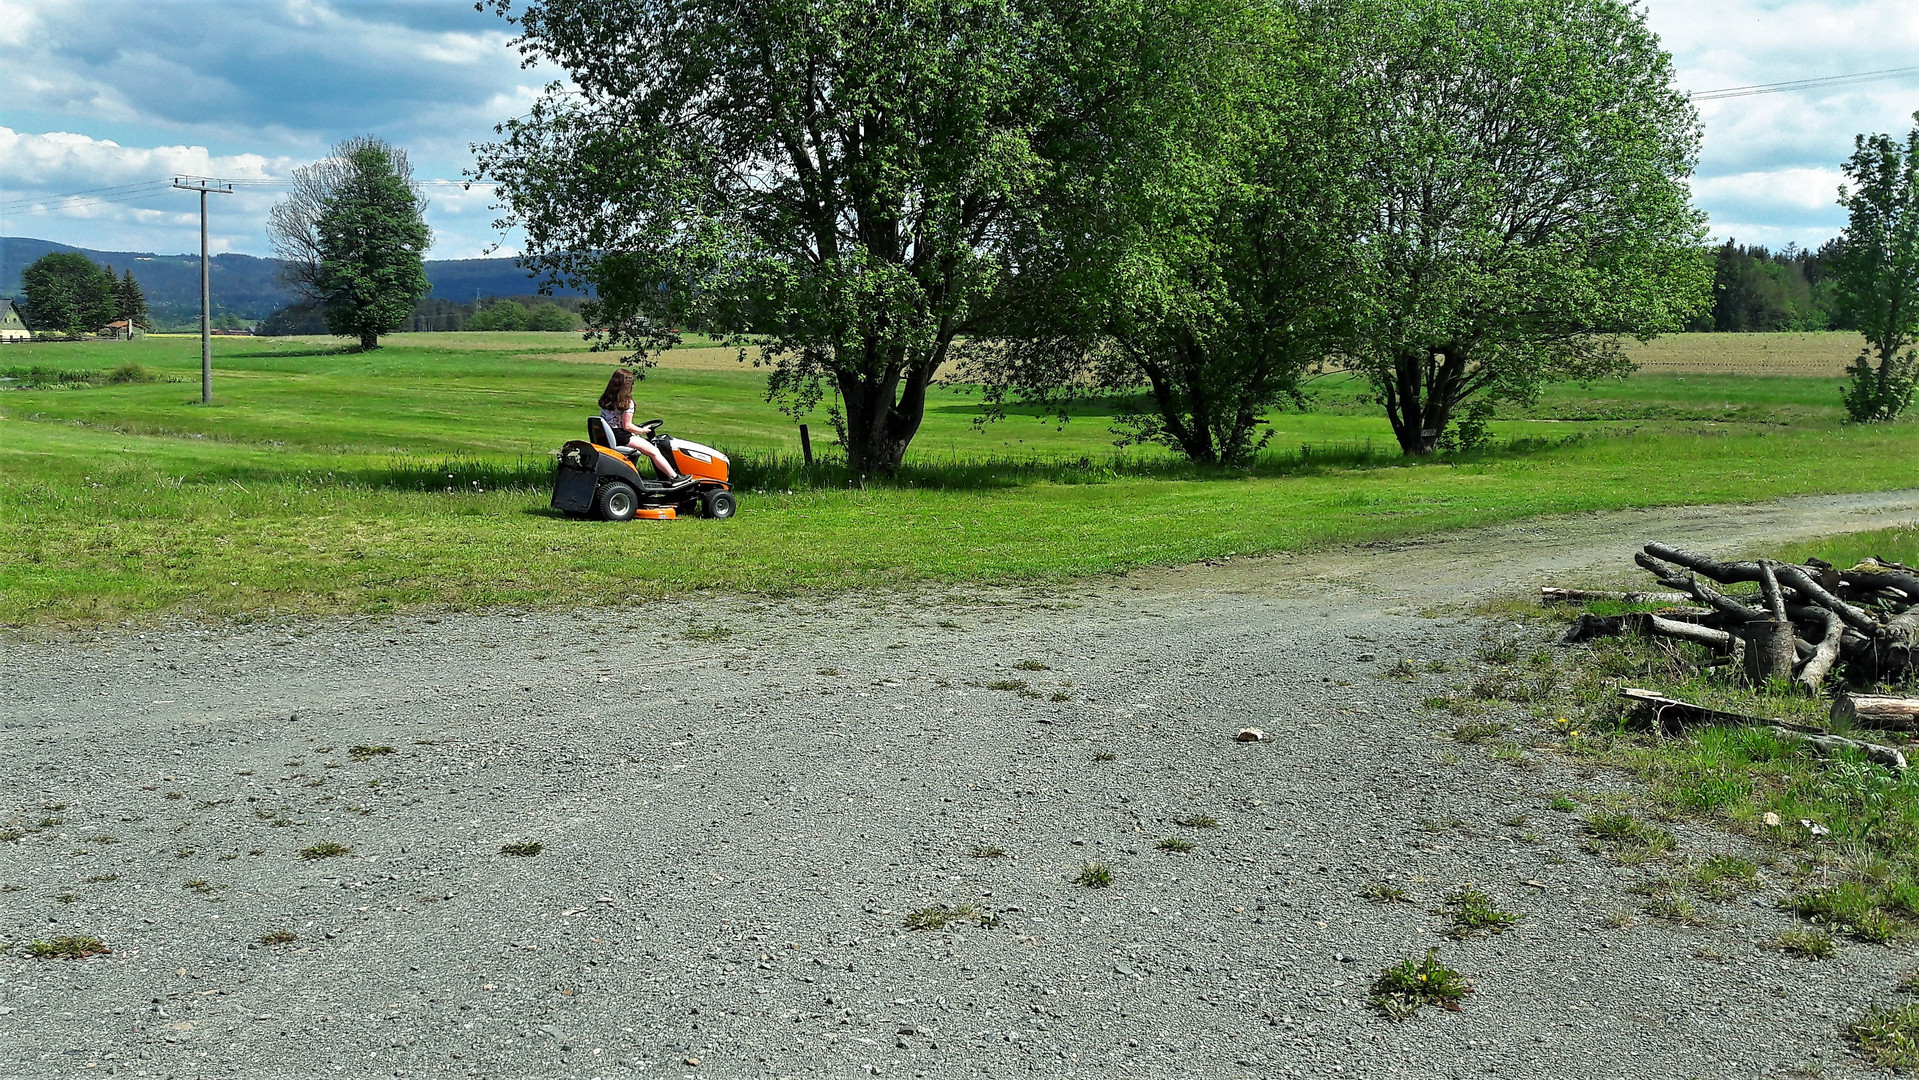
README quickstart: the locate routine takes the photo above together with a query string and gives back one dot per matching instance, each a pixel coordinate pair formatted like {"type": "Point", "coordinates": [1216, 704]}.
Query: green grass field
{"type": "Point", "coordinates": [319, 479]}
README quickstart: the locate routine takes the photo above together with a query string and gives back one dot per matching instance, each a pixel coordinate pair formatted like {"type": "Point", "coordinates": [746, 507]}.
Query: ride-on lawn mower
{"type": "Point", "coordinates": [596, 476]}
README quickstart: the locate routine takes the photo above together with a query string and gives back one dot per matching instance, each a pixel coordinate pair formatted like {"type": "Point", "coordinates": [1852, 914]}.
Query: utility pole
{"type": "Point", "coordinates": [205, 188]}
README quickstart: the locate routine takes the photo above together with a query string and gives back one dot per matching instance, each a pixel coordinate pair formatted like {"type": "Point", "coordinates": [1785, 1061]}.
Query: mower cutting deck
{"type": "Point", "coordinates": [596, 478]}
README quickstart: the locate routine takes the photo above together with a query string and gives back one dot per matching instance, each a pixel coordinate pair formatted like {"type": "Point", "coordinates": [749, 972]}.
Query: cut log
{"type": "Point", "coordinates": [1550, 594]}
{"type": "Point", "coordinates": [1811, 591]}
{"type": "Point", "coordinates": [1645, 623]}
{"type": "Point", "coordinates": [1724, 573]}
{"type": "Point", "coordinates": [1769, 650]}
{"type": "Point", "coordinates": [1813, 673]}
{"type": "Point", "coordinates": [1670, 714]}
{"type": "Point", "coordinates": [1870, 711]}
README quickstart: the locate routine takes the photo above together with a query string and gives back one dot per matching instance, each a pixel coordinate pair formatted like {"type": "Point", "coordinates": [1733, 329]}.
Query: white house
{"type": "Point", "coordinates": [11, 328]}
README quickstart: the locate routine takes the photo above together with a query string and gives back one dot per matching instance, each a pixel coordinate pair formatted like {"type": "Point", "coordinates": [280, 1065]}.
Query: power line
{"type": "Point", "coordinates": [1801, 84]}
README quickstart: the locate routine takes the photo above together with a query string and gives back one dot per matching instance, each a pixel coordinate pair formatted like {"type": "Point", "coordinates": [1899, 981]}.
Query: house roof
{"type": "Point", "coordinates": [8, 316]}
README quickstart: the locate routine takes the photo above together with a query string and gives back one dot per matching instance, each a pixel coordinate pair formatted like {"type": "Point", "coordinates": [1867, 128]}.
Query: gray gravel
{"type": "Point", "coordinates": [733, 839]}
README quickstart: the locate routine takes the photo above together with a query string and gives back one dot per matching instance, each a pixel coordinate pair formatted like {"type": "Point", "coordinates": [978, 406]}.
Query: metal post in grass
{"type": "Point", "coordinates": [205, 188]}
{"type": "Point", "coordinates": [806, 446]}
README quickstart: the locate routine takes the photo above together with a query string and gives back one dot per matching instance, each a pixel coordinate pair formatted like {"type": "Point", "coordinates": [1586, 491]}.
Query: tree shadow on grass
{"type": "Point", "coordinates": [276, 354]}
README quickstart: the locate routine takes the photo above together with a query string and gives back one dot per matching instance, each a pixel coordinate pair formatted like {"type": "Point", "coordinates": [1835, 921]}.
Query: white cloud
{"type": "Point", "coordinates": [1768, 170]}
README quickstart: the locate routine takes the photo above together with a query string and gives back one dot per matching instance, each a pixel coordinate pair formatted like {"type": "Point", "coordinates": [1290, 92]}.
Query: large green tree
{"type": "Point", "coordinates": [352, 237]}
{"type": "Point", "coordinates": [1192, 253]}
{"type": "Point", "coordinates": [839, 177]}
{"type": "Point", "coordinates": [1526, 165]}
{"type": "Point", "coordinates": [66, 292]}
{"type": "Point", "coordinates": [1876, 273]}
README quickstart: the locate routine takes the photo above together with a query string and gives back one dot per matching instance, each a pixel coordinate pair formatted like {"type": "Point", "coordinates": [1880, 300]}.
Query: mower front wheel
{"type": "Point", "coordinates": [616, 501]}
{"type": "Point", "coordinates": [718, 504]}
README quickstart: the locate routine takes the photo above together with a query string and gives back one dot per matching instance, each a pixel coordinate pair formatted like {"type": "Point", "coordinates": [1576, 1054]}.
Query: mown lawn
{"type": "Point", "coordinates": [319, 480]}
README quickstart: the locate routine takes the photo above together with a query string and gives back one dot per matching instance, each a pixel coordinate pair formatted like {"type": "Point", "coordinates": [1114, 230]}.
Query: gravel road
{"type": "Point", "coordinates": [734, 836]}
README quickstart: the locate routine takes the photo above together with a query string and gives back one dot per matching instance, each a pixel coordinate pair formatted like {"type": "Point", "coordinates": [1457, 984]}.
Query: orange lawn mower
{"type": "Point", "coordinates": [597, 477]}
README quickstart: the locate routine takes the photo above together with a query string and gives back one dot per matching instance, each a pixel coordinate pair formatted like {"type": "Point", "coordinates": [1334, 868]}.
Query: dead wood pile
{"type": "Point", "coordinates": [1804, 622]}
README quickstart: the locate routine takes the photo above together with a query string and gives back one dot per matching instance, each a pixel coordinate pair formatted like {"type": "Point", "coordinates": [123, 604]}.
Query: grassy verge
{"type": "Point", "coordinates": [325, 481]}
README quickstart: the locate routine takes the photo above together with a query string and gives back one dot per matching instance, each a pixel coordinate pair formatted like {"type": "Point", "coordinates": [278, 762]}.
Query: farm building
{"type": "Point", "coordinates": [121, 330]}
{"type": "Point", "coordinates": [11, 328]}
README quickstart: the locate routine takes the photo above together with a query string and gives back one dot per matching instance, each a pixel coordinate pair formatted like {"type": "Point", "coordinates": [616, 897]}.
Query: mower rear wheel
{"type": "Point", "coordinates": [616, 501]}
{"type": "Point", "coordinates": [718, 504]}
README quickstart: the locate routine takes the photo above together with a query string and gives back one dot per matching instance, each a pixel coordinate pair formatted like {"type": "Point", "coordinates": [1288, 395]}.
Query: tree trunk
{"type": "Point", "coordinates": [1427, 384]}
{"type": "Point", "coordinates": [1769, 651]}
{"type": "Point", "coordinates": [369, 341]}
{"type": "Point", "coordinates": [882, 416]}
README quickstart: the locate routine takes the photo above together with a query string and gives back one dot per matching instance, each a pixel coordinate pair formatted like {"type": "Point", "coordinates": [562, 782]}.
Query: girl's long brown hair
{"type": "Point", "coordinates": [619, 392]}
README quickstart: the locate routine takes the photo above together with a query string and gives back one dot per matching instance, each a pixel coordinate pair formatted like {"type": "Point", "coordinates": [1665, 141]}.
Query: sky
{"type": "Point", "coordinates": [100, 97]}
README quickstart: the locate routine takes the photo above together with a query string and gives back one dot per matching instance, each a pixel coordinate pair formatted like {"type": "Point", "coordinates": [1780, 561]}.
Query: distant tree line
{"type": "Point", "coordinates": [1757, 290]}
{"type": "Point", "coordinates": [439, 315]}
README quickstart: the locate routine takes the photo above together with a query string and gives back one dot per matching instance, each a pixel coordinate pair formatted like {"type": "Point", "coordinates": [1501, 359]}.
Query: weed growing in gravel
{"type": "Point", "coordinates": [1174, 844]}
{"type": "Point", "coordinates": [827, 671]}
{"type": "Point", "coordinates": [1103, 755]}
{"type": "Point", "coordinates": [1198, 821]}
{"type": "Point", "coordinates": [67, 948]}
{"type": "Point", "coordinates": [1437, 667]}
{"type": "Point", "coordinates": [1014, 686]}
{"type": "Point", "coordinates": [366, 753]}
{"type": "Point", "coordinates": [1812, 944]}
{"type": "Point", "coordinates": [1889, 1035]}
{"type": "Point", "coordinates": [1403, 988]}
{"type": "Point", "coordinates": [939, 916]}
{"type": "Point", "coordinates": [1620, 918]}
{"type": "Point", "coordinates": [1473, 913]}
{"type": "Point", "coordinates": [987, 851]}
{"type": "Point", "coordinates": [1677, 909]}
{"type": "Point", "coordinates": [1625, 837]}
{"type": "Point", "coordinates": [1399, 669]}
{"type": "Point", "coordinates": [185, 853]}
{"type": "Point", "coordinates": [1060, 696]}
{"type": "Point", "coordinates": [1447, 757]}
{"type": "Point", "coordinates": [1440, 825]}
{"type": "Point", "coordinates": [1562, 804]}
{"type": "Point", "coordinates": [1910, 984]}
{"type": "Point", "coordinates": [1723, 877]}
{"type": "Point", "coordinates": [1478, 731]}
{"type": "Point", "coordinates": [1509, 752]}
{"type": "Point", "coordinates": [279, 937]}
{"type": "Point", "coordinates": [102, 838]}
{"type": "Point", "coordinates": [1094, 875]}
{"type": "Point", "coordinates": [707, 633]}
{"type": "Point", "coordinates": [101, 879]}
{"type": "Point", "coordinates": [1499, 650]}
{"type": "Point", "coordinates": [524, 849]}
{"type": "Point", "coordinates": [1031, 665]}
{"type": "Point", "coordinates": [325, 849]}
{"type": "Point", "coordinates": [67, 897]}
{"type": "Point", "coordinates": [1514, 821]}
{"type": "Point", "coordinates": [1860, 908]}
{"type": "Point", "coordinates": [1385, 893]}
{"type": "Point", "coordinates": [202, 887]}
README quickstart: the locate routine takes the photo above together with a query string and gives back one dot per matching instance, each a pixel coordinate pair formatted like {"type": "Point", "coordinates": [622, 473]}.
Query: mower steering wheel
{"type": "Point", "coordinates": [652, 423]}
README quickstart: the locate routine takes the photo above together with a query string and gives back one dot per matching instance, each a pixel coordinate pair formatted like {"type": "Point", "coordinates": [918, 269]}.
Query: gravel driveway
{"type": "Point", "coordinates": [734, 836]}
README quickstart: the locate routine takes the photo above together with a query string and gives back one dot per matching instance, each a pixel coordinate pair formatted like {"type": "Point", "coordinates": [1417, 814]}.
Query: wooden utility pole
{"type": "Point", "coordinates": [205, 188]}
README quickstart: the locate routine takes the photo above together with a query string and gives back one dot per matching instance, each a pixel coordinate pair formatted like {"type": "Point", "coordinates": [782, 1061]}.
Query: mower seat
{"type": "Point", "coordinates": [600, 432]}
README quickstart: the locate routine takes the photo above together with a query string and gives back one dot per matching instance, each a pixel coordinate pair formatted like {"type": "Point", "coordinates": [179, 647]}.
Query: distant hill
{"type": "Point", "coordinates": [248, 286]}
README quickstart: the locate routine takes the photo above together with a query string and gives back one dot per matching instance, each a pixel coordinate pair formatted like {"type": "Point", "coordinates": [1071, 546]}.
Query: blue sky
{"type": "Point", "coordinates": [109, 94]}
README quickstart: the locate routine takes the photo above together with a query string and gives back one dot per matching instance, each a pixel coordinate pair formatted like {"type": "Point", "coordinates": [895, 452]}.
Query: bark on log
{"type": "Point", "coordinates": [1670, 714]}
{"type": "Point", "coordinates": [1723, 572]}
{"type": "Point", "coordinates": [1645, 623]}
{"type": "Point", "coordinates": [1810, 590]}
{"type": "Point", "coordinates": [1769, 650]}
{"type": "Point", "coordinates": [1551, 594]}
{"type": "Point", "coordinates": [1814, 672]}
{"type": "Point", "coordinates": [1871, 711]}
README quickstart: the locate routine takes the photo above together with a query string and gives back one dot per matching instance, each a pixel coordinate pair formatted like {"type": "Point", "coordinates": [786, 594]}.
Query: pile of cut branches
{"type": "Point", "coordinates": [1805, 622]}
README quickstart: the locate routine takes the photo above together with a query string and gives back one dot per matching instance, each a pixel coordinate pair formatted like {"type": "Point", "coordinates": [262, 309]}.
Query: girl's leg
{"type": "Point", "coordinates": [659, 459]}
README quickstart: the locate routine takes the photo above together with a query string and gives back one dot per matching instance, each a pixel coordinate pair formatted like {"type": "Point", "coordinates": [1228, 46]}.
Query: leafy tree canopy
{"type": "Point", "coordinates": [352, 236]}
{"type": "Point", "coordinates": [66, 292]}
{"type": "Point", "coordinates": [1525, 168]}
{"type": "Point", "coordinates": [842, 176]}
